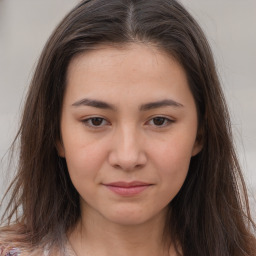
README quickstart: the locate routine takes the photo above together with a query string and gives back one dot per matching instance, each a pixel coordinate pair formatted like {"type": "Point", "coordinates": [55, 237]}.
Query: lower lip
{"type": "Point", "coordinates": [127, 191]}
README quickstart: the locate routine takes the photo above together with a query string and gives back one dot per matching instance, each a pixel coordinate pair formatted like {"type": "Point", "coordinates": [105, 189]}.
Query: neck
{"type": "Point", "coordinates": [94, 235]}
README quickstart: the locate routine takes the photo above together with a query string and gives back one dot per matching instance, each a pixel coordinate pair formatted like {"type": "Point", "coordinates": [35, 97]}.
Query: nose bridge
{"type": "Point", "coordinates": [127, 151]}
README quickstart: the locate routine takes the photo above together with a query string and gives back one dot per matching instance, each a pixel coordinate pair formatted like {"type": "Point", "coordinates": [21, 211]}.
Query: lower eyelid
{"type": "Point", "coordinates": [87, 121]}
{"type": "Point", "coordinates": [167, 121]}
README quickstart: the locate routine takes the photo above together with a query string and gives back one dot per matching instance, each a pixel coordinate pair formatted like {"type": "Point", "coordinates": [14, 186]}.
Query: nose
{"type": "Point", "coordinates": [127, 151]}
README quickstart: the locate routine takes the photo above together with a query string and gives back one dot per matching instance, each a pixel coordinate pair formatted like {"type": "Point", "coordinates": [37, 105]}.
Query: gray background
{"type": "Point", "coordinates": [230, 25]}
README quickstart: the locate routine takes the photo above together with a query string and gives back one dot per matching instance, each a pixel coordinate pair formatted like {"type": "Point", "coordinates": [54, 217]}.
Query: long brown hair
{"type": "Point", "coordinates": [210, 215]}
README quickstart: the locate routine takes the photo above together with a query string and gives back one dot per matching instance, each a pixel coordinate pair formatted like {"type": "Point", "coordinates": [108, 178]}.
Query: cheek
{"type": "Point", "coordinates": [172, 159]}
{"type": "Point", "coordinates": [173, 175]}
{"type": "Point", "coordinates": [83, 165]}
{"type": "Point", "coordinates": [173, 154]}
{"type": "Point", "coordinates": [84, 160]}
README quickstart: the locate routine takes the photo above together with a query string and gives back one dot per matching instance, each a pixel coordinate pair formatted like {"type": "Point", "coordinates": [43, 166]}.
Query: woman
{"type": "Point", "coordinates": [125, 141]}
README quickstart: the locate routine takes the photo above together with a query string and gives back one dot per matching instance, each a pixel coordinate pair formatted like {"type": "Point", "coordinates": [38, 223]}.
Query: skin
{"type": "Point", "coordinates": [125, 139]}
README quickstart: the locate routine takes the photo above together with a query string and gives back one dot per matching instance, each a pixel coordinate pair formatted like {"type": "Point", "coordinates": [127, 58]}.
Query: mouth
{"type": "Point", "coordinates": [127, 188]}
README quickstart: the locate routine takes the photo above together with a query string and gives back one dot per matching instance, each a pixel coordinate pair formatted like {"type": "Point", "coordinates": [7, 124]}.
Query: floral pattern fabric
{"type": "Point", "coordinates": [12, 252]}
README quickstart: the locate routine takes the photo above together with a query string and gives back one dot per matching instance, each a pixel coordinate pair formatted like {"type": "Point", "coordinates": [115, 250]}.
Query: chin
{"type": "Point", "coordinates": [132, 216]}
{"type": "Point", "coordinates": [128, 220]}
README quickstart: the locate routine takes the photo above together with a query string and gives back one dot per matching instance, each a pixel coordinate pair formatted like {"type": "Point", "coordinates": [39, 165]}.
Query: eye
{"type": "Point", "coordinates": [160, 121]}
{"type": "Point", "coordinates": [95, 122]}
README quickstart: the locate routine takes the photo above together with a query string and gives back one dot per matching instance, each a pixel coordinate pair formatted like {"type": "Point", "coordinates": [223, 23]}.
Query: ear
{"type": "Point", "coordinates": [198, 145]}
{"type": "Point", "coordinates": [60, 148]}
{"type": "Point", "coordinates": [197, 148]}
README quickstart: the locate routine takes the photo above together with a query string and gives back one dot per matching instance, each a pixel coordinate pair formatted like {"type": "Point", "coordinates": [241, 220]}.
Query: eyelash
{"type": "Point", "coordinates": [103, 122]}
{"type": "Point", "coordinates": [88, 122]}
{"type": "Point", "coordinates": [166, 121]}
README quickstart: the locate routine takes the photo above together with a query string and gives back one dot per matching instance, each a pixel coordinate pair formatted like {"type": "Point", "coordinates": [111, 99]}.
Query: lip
{"type": "Point", "coordinates": [127, 188]}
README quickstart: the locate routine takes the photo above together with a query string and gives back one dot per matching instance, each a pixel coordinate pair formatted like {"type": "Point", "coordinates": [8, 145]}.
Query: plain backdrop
{"type": "Point", "coordinates": [229, 25]}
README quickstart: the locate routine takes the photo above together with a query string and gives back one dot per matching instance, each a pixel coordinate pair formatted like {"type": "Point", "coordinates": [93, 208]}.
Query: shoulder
{"type": "Point", "coordinates": [10, 252]}
{"type": "Point", "coordinates": [12, 243]}
{"type": "Point", "coordinates": [19, 252]}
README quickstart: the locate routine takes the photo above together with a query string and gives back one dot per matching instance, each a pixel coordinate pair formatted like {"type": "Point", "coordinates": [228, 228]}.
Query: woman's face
{"type": "Point", "coordinates": [129, 128]}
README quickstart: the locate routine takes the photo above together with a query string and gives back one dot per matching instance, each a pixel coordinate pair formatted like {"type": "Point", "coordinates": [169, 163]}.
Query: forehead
{"type": "Point", "coordinates": [136, 68]}
{"type": "Point", "coordinates": [111, 56]}
{"type": "Point", "coordinates": [130, 57]}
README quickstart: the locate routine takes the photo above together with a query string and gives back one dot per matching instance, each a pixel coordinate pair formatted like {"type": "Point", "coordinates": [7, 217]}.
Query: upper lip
{"type": "Point", "coordinates": [127, 184]}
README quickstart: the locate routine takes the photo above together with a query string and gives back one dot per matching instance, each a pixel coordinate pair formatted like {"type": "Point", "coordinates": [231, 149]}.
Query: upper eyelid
{"type": "Point", "coordinates": [169, 119]}
{"type": "Point", "coordinates": [162, 116]}
{"type": "Point", "coordinates": [86, 121]}
{"type": "Point", "coordinates": [85, 118]}
{"type": "Point", "coordinates": [166, 118]}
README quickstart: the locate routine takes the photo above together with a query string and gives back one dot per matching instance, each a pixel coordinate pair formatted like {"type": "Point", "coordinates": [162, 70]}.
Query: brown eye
{"type": "Point", "coordinates": [160, 121]}
{"type": "Point", "coordinates": [95, 122]}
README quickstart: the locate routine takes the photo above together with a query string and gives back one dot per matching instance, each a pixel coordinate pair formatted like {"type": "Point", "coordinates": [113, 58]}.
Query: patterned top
{"type": "Point", "coordinates": [17, 252]}
{"type": "Point", "coordinates": [12, 252]}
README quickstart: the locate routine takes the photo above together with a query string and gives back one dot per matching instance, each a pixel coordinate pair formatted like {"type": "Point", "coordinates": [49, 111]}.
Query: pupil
{"type": "Point", "coordinates": [97, 121]}
{"type": "Point", "coordinates": [159, 120]}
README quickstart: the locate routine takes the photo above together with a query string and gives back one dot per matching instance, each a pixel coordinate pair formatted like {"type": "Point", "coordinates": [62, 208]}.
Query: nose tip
{"type": "Point", "coordinates": [127, 161]}
{"type": "Point", "coordinates": [127, 153]}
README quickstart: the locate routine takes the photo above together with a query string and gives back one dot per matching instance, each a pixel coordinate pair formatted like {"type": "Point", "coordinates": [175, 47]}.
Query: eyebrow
{"type": "Point", "coordinates": [93, 103]}
{"type": "Point", "coordinates": [159, 104]}
{"type": "Point", "coordinates": [144, 107]}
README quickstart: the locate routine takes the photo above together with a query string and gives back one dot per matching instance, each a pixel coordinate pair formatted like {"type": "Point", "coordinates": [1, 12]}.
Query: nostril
{"type": "Point", "coordinates": [127, 163]}
{"type": "Point", "coordinates": [127, 151]}
{"type": "Point", "coordinates": [116, 166]}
